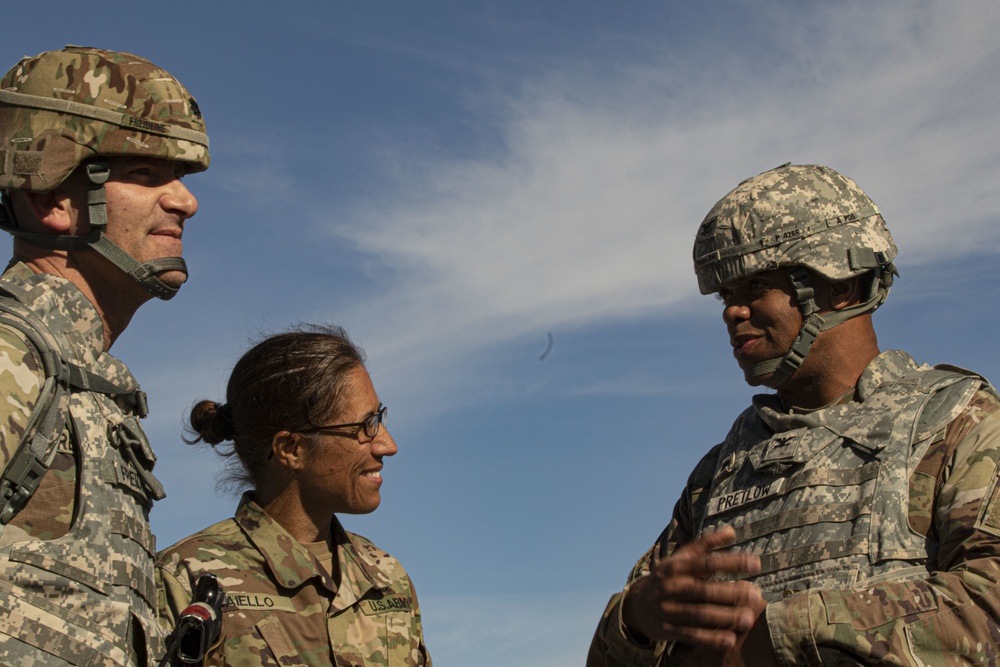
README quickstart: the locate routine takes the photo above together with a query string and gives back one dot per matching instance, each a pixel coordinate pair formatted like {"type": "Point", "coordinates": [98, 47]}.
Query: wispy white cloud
{"type": "Point", "coordinates": [587, 213]}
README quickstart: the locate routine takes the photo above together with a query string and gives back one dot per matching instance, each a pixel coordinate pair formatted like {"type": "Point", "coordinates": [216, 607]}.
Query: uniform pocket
{"type": "Point", "coordinates": [868, 608]}
{"type": "Point", "coordinates": [380, 632]}
{"type": "Point", "coordinates": [246, 646]}
{"type": "Point", "coordinates": [402, 644]}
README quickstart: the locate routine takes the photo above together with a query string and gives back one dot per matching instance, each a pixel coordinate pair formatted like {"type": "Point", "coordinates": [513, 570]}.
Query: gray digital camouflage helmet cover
{"type": "Point", "coordinates": [799, 218]}
{"type": "Point", "coordinates": [59, 108]}
{"type": "Point", "coordinates": [795, 215]}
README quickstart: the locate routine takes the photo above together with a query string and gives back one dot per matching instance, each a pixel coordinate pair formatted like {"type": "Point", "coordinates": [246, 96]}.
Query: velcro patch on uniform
{"type": "Point", "coordinates": [742, 497]}
{"type": "Point", "coordinates": [989, 515]}
{"type": "Point", "coordinates": [27, 163]}
{"type": "Point", "coordinates": [387, 604]}
{"type": "Point", "coordinates": [258, 601]}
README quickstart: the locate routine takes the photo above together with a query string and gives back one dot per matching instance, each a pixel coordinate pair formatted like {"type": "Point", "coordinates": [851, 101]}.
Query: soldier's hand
{"type": "Point", "coordinates": [677, 601]}
{"type": "Point", "coordinates": [753, 649]}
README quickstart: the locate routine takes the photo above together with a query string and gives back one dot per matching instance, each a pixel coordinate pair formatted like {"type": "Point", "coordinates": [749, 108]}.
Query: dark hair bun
{"type": "Point", "coordinates": [212, 422]}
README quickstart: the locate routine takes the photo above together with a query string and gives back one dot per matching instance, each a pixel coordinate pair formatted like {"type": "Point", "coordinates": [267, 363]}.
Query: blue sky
{"type": "Point", "coordinates": [455, 181]}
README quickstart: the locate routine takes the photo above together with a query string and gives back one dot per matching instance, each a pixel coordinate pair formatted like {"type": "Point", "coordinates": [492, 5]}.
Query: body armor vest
{"type": "Point", "coordinates": [823, 497]}
{"type": "Point", "coordinates": [87, 597]}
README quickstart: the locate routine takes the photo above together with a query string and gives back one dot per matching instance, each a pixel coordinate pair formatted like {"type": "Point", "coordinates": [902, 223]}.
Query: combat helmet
{"type": "Point", "coordinates": [80, 105]}
{"type": "Point", "coordinates": [797, 217]}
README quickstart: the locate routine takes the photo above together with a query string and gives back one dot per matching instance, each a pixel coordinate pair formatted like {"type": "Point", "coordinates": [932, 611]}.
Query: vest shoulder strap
{"type": "Point", "coordinates": [950, 389]}
{"type": "Point", "coordinates": [50, 417]}
{"type": "Point", "coordinates": [47, 422]}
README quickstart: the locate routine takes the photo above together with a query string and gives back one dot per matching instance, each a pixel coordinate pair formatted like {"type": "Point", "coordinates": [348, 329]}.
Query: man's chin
{"type": "Point", "coordinates": [172, 279]}
{"type": "Point", "coordinates": [762, 380]}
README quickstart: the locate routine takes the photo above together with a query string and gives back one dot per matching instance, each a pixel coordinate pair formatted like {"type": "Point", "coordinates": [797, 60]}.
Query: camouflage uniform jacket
{"type": "Point", "coordinates": [76, 564]}
{"type": "Point", "coordinates": [283, 607]}
{"type": "Point", "coordinates": [884, 551]}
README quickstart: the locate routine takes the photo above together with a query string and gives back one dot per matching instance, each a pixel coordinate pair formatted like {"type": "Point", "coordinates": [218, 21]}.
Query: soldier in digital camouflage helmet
{"type": "Point", "coordinates": [93, 146]}
{"type": "Point", "coordinates": [800, 219]}
{"type": "Point", "coordinates": [851, 517]}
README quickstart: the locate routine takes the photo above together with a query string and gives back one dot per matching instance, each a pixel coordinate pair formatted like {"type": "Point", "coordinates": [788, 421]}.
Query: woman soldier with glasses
{"type": "Point", "coordinates": [307, 427]}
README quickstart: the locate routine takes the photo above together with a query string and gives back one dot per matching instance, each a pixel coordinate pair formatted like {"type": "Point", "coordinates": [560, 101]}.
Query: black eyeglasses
{"type": "Point", "coordinates": [370, 425]}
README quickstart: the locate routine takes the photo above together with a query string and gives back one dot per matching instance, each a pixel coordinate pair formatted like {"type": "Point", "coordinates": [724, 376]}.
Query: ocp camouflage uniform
{"type": "Point", "coordinates": [76, 563]}
{"type": "Point", "coordinates": [284, 607]}
{"type": "Point", "coordinates": [877, 521]}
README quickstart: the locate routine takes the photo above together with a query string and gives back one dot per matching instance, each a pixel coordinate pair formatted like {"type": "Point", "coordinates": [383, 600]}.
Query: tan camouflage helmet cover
{"type": "Point", "coordinates": [60, 108]}
{"type": "Point", "coordinates": [795, 215]}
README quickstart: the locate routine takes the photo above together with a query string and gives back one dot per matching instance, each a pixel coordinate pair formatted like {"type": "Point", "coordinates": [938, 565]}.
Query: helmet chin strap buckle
{"type": "Point", "coordinates": [784, 367]}
{"type": "Point", "coordinates": [145, 275]}
{"type": "Point", "coordinates": [98, 173]}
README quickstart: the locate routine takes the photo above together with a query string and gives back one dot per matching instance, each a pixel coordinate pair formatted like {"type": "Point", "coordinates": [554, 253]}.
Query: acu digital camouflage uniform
{"type": "Point", "coordinates": [878, 552]}
{"type": "Point", "coordinates": [285, 608]}
{"type": "Point", "coordinates": [876, 518]}
{"type": "Point", "coordinates": [76, 579]}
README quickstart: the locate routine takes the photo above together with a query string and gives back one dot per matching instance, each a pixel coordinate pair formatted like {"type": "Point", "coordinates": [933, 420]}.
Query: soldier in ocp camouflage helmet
{"type": "Point", "coordinates": [852, 517]}
{"type": "Point", "coordinates": [93, 147]}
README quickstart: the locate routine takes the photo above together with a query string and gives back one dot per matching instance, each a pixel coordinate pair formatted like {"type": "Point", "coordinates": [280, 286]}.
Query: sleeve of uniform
{"type": "Point", "coordinates": [950, 617]}
{"type": "Point", "coordinates": [613, 645]}
{"type": "Point", "coordinates": [422, 657]}
{"type": "Point", "coordinates": [20, 383]}
{"type": "Point", "coordinates": [172, 596]}
{"type": "Point", "coordinates": [171, 599]}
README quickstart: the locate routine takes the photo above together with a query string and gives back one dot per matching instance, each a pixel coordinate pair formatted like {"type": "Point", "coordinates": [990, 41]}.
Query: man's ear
{"type": "Point", "coordinates": [844, 293]}
{"type": "Point", "coordinates": [53, 209]}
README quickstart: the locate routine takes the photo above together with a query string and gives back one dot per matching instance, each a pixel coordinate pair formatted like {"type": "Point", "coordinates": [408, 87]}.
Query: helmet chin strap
{"type": "Point", "coordinates": [144, 274]}
{"type": "Point", "coordinates": [813, 323]}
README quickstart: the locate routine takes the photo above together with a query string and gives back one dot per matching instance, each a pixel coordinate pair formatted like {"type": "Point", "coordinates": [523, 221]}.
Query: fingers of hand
{"type": "Point", "coordinates": [702, 613]}
{"type": "Point", "coordinates": [700, 558]}
{"type": "Point", "coordinates": [716, 640]}
{"type": "Point", "coordinates": [691, 610]}
{"type": "Point", "coordinates": [752, 598]}
{"type": "Point", "coordinates": [695, 564]}
{"type": "Point", "coordinates": [709, 604]}
{"type": "Point", "coordinates": [708, 541]}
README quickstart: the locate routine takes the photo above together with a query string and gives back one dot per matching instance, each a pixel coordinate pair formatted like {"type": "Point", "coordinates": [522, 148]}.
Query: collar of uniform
{"type": "Point", "coordinates": [851, 419]}
{"type": "Point", "coordinates": [886, 367]}
{"type": "Point", "coordinates": [363, 566]}
{"type": "Point", "coordinates": [70, 315]}
{"type": "Point", "coordinates": [292, 564]}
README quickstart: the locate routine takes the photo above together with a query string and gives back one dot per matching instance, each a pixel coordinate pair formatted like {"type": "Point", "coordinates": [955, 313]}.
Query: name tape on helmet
{"type": "Point", "coordinates": [96, 113]}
